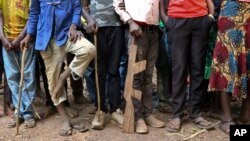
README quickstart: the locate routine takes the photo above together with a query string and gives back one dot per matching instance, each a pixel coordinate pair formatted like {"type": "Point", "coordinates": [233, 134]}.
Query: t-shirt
{"type": "Point", "coordinates": [187, 8]}
{"type": "Point", "coordinates": [104, 13]}
{"type": "Point", "coordinates": [15, 16]}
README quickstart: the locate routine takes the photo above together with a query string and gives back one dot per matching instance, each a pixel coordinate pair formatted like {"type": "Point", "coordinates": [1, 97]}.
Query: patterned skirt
{"type": "Point", "coordinates": [230, 68]}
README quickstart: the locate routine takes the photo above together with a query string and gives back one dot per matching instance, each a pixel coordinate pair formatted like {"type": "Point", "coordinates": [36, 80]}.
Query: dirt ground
{"type": "Point", "coordinates": [47, 129]}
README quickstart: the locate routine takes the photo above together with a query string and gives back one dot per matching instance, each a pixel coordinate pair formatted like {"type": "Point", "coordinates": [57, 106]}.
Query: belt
{"type": "Point", "coordinates": [149, 28]}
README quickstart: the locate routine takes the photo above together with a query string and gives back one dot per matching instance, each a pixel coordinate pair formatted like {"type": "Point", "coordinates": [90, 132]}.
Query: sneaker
{"type": "Point", "coordinates": [117, 118]}
{"type": "Point", "coordinates": [154, 122]}
{"type": "Point", "coordinates": [99, 120]}
{"type": "Point", "coordinates": [141, 127]}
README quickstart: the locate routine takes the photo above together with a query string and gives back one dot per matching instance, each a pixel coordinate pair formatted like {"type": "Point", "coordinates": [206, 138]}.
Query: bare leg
{"type": "Point", "coordinates": [66, 129]}
{"type": "Point", "coordinates": [227, 118]}
{"type": "Point", "coordinates": [60, 84]}
{"type": "Point", "coordinates": [245, 109]}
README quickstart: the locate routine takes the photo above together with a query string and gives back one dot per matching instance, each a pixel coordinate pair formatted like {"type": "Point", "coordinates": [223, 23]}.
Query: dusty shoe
{"type": "Point", "coordinates": [141, 127]}
{"type": "Point", "coordinates": [154, 122]}
{"type": "Point", "coordinates": [99, 120]}
{"type": "Point", "coordinates": [117, 118]}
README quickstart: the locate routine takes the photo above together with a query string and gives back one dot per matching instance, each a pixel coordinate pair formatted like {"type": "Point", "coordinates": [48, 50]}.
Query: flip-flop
{"type": "Point", "coordinates": [80, 128]}
{"type": "Point", "coordinates": [223, 124]}
{"type": "Point", "coordinates": [29, 124]}
{"type": "Point", "coordinates": [170, 129]}
{"type": "Point", "coordinates": [199, 122]}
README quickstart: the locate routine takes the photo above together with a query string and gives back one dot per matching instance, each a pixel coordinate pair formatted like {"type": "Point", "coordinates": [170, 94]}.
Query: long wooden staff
{"type": "Point", "coordinates": [97, 80]}
{"type": "Point", "coordinates": [20, 89]}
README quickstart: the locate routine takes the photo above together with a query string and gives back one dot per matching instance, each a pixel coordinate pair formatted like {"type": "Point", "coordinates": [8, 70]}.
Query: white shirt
{"type": "Point", "coordinates": [139, 10]}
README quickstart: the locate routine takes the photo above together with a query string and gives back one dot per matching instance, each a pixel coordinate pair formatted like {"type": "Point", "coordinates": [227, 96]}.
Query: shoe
{"type": "Point", "coordinates": [99, 120]}
{"type": "Point", "coordinates": [154, 122]}
{"type": "Point", "coordinates": [141, 127]}
{"type": "Point", "coordinates": [117, 118]}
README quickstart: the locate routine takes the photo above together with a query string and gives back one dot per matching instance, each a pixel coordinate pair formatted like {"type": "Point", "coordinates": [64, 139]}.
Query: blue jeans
{"type": "Point", "coordinates": [12, 64]}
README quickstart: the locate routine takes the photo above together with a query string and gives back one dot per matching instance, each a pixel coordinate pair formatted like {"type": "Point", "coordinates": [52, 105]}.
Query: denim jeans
{"type": "Point", "coordinates": [12, 64]}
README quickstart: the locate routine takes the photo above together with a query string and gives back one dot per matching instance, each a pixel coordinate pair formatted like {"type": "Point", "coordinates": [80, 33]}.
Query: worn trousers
{"type": "Point", "coordinates": [188, 41]}
{"type": "Point", "coordinates": [147, 49]}
{"type": "Point", "coordinates": [54, 57]}
{"type": "Point", "coordinates": [12, 65]}
{"type": "Point", "coordinates": [110, 43]}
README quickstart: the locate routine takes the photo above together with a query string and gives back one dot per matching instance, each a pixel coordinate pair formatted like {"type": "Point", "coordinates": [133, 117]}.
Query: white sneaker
{"type": "Point", "coordinates": [98, 122]}
{"type": "Point", "coordinates": [117, 118]}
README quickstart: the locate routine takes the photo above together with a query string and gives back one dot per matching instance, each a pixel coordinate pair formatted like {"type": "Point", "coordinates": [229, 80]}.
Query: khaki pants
{"type": "Point", "coordinates": [54, 57]}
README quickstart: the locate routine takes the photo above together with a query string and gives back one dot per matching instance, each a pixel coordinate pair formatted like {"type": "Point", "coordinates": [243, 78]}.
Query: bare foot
{"type": "Point", "coordinates": [66, 129]}
{"type": "Point", "coordinates": [71, 112]}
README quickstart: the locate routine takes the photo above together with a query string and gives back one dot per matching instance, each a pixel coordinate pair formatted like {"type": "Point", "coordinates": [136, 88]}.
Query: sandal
{"type": "Point", "coordinates": [174, 125]}
{"type": "Point", "coordinates": [225, 126]}
{"type": "Point", "coordinates": [12, 123]}
{"type": "Point", "coordinates": [29, 124]}
{"type": "Point", "coordinates": [201, 123]}
{"type": "Point", "coordinates": [81, 128]}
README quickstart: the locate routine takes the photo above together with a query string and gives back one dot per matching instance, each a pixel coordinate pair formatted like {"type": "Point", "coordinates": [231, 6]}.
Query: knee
{"type": "Point", "coordinates": [91, 51]}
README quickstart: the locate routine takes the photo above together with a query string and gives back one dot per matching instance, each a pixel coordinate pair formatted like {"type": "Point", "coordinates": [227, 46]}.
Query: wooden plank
{"type": "Point", "coordinates": [133, 68]}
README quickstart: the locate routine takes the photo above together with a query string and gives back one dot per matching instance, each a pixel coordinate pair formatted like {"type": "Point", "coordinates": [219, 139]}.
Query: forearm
{"type": "Point", "coordinates": [120, 10]}
{"type": "Point", "coordinates": [86, 15]}
{"type": "Point", "coordinates": [24, 31]}
{"type": "Point", "coordinates": [76, 12]}
{"type": "Point", "coordinates": [163, 8]}
{"type": "Point", "coordinates": [211, 7]}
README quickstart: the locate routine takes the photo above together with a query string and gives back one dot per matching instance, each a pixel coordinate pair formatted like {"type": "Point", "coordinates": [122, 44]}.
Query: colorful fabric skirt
{"type": "Point", "coordinates": [230, 68]}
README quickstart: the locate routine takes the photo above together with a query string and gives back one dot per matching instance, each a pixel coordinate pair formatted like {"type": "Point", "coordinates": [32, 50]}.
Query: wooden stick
{"type": "Point", "coordinates": [20, 89]}
{"type": "Point", "coordinates": [195, 134]}
{"type": "Point", "coordinates": [97, 80]}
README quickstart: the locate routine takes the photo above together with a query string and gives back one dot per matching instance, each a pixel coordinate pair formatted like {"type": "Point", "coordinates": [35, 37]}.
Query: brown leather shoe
{"type": "Point", "coordinates": [154, 122]}
{"type": "Point", "coordinates": [141, 127]}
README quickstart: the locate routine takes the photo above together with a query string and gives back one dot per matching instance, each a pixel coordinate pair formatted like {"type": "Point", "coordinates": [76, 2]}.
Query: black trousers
{"type": "Point", "coordinates": [188, 41]}
{"type": "Point", "coordinates": [110, 43]}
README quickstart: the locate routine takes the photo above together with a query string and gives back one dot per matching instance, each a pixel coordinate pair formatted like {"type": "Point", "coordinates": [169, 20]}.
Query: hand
{"type": "Point", "coordinates": [73, 34]}
{"type": "Point", "coordinates": [91, 27]}
{"type": "Point", "coordinates": [134, 28]}
{"type": "Point", "coordinates": [25, 42]}
{"type": "Point", "coordinates": [16, 43]}
{"type": "Point", "coordinates": [165, 19]}
{"type": "Point", "coordinates": [6, 43]}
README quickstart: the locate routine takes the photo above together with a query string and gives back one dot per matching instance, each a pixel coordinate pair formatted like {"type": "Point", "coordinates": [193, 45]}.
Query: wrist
{"type": "Point", "coordinates": [130, 21]}
{"type": "Point", "coordinates": [211, 16]}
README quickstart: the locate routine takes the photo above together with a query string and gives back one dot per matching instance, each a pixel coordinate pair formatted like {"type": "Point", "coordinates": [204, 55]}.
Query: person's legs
{"type": "Point", "coordinates": [76, 85]}
{"type": "Point", "coordinates": [53, 59]}
{"type": "Point", "coordinates": [179, 32]}
{"type": "Point", "coordinates": [245, 109]}
{"type": "Point", "coordinates": [12, 63]}
{"type": "Point", "coordinates": [115, 46]}
{"type": "Point", "coordinates": [227, 118]}
{"type": "Point", "coordinates": [199, 43]}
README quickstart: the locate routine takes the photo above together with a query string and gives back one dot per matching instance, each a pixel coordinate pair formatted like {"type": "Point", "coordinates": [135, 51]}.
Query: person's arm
{"type": "Point", "coordinates": [210, 6]}
{"type": "Point", "coordinates": [163, 10]}
{"type": "Point", "coordinates": [91, 27]}
{"type": "Point", "coordinates": [31, 24]}
{"type": "Point", "coordinates": [73, 34]}
{"type": "Point", "coordinates": [134, 28]}
{"type": "Point", "coordinates": [16, 43]}
{"type": "Point", "coordinates": [5, 42]}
